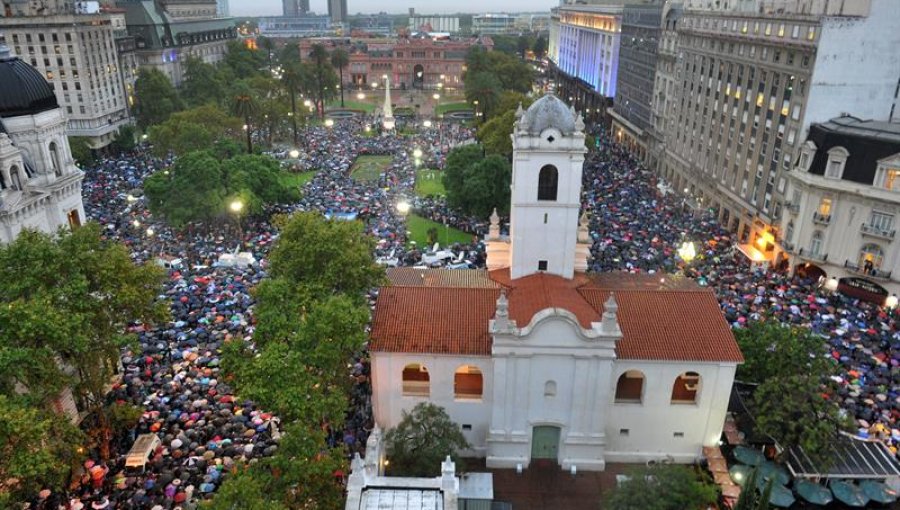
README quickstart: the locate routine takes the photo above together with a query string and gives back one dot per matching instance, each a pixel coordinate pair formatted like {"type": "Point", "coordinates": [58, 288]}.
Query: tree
{"type": "Point", "coordinates": [773, 350]}
{"type": "Point", "coordinates": [750, 498]}
{"type": "Point", "coordinates": [37, 450]}
{"type": "Point", "coordinates": [293, 80]}
{"type": "Point", "coordinates": [290, 53]}
{"type": "Point", "coordinates": [243, 62]}
{"type": "Point", "coordinates": [193, 130]}
{"type": "Point", "coordinates": [540, 47]}
{"type": "Point", "coordinates": [339, 60]}
{"type": "Point", "coordinates": [485, 88]}
{"type": "Point", "coordinates": [422, 440]}
{"type": "Point", "coordinates": [522, 45]}
{"type": "Point", "coordinates": [494, 134]}
{"type": "Point", "coordinates": [125, 139]}
{"type": "Point", "coordinates": [267, 46]}
{"type": "Point", "coordinates": [202, 83]}
{"type": "Point", "coordinates": [800, 411]}
{"type": "Point", "coordinates": [244, 106]}
{"type": "Point", "coordinates": [81, 151]}
{"type": "Point", "coordinates": [323, 73]}
{"type": "Point", "coordinates": [258, 179]}
{"type": "Point", "coordinates": [64, 304]}
{"type": "Point", "coordinates": [668, 487]}
{"type": "Point", "coordinates": [155, 99]}
{"type": "Point", "coordinates": [193, 189]}
{"type": "Point", "coordinates": [487, 186]}
{"type": "Point", "coordinates": [459, 160]}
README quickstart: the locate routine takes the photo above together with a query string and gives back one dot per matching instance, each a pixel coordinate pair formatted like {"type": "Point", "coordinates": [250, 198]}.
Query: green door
{"type": "Point", "coordinates": [545, 443]}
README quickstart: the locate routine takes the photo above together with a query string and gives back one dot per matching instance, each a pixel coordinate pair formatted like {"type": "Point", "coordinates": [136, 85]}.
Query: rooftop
{"type": "Point", "coordinates": [23, 90]}
{"type": "Point", "coordinates": [873, 129]}
{"type": "Point", "coordinates": [661, 318]}
{"type": "Point", "coordinates": [548, 112]}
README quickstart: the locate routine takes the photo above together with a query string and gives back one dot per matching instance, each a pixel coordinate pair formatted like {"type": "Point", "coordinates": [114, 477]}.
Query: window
{"type": "Point", "coordinates": [542, 265]}
{"type": "Point", "coordinates": [881, 222]}
{"type": "Point", "coordinates": [548, 181]}
{"type": "Point", "coordinates": [468, 382]}
{"type": "Point", "coordinates": [815, 243]}
{"type": "Point", "coordinates": [825, 206]}
{"type": "Point", "coordinates": [789, 231]}
{"type": "Point", "coordinates": [887, 178]}
{"type": "Point", "coordinates": [630, 387]}
{"type": "Point", "coordinates": [871, 256]}
{"type": "Point", "coordinates": [623, 432]}
{"type": "Point", "coordinates": [685, 389]}
{"type": "Point", "coordinates": [54, 159]}
{"type": "Point", "coordinates": [416, 382]}
{"type": "Point", "coordinates": [550, 389]}
{"type": "Point", "coordinates": [837, 158]}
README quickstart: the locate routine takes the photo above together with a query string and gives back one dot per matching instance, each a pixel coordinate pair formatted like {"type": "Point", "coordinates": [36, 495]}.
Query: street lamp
{"type": "Point", "coordinates": [436, 97]}
{"type": "Point", "coordinates": [403, 207]}
{"type": "Point", "coordinates": [687, 251]}
{"type": "Point", "coordinates": [417, 153]}
{"type": "Point", "coordinates": [150, 232]}
{"type": "Point", "coordinates": [427, 123]}
{"type": "Point", "coordinates": [294, 154]}
{"type": "Point", "coordinates": [136, 224]}
{"type": "Point", "coordinates": [236, 207]}
{"type": "Point", "coordinates": [360, 96]}
{"type": "Point", "coordinates": [307, 103]}
{"type": "Point", "coordinates": [329, 122]}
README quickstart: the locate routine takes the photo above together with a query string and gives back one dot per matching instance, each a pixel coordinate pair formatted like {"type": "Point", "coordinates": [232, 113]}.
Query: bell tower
{"type": "Point", "coordinates": [548, 155]}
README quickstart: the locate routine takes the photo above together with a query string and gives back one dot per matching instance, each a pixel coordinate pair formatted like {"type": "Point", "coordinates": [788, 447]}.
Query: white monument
{"type": "Point", "coordinates": [388, 111]}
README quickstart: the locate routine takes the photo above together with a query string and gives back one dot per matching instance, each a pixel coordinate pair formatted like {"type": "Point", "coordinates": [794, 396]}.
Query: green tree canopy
{"type": "Point", "coordinates": [194, 130]}
{"type": "Point", "coordinates": [422, 440]}
{"type": "Point", "coordinates": [772, 350]}
{"type": "Point", "coordinates": [81, 151]}
{"type": "Point", "coordinates": [155, 99]}
{"type": "Point", "coordinates": [244, 62]}
{"type": "Point", "coordinates": [670, 487]}
{"type": "Point", "coordinates": [203, 83]}
{"type": "Point", "coordinates": [64, 305]}
{"type": "Point", "coordinates": [494, 134]}
{"type": "Point", "coordinates": [540, 47]}
{"type": "Point", "coordinates": [476, 184]}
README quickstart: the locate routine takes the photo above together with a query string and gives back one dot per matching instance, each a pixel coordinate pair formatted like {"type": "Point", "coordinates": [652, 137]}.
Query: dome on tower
{"type": "Point", "coordinates": [548, 112]}
{"type": "Point", "coordinates": [23, 91]}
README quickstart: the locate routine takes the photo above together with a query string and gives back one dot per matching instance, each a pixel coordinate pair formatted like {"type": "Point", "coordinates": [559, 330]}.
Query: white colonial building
{"type": "Point", "coordinates": [843, 204]}
{"type": "Point", "coordinates": [40, 186]}
{"type": "Point", "coordinates": [537, 360]}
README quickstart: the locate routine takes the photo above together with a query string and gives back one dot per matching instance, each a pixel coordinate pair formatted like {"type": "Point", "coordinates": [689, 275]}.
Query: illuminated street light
{"type": "Point", "coordinates": [427, 123]}
{"type": "Point", "coordinates": [136, 224]}
{"type": "Point", "coordinates": [236, 206]}
{"type": "Point", "coordinates": [368, 128]}
{"type": "Point", "coordinates": [417, 153]}
{"type": "Point", "coordinates": [436, 97]}
{"type": "Point", "coordinates": [329, 122]}
{"type": "Point", "coordinates": [307, 103]}
{"type": "Point", "coordinates": [403, 207]}
{"type": "Point", "coordinates": [360, 96]}
{"type": "Point", "coordinates": [294, 154]}
{"type": "Point", "coordinates": [150, 232]}
{"type": "Point", "coordinates": [687, 251]}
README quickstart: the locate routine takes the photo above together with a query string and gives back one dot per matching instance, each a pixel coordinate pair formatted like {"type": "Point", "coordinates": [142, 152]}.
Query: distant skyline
{"type": "Point", "coordinates": [273, 7]}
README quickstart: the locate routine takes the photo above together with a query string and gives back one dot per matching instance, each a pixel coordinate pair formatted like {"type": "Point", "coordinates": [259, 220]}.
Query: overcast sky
{"type": "Point", "coordinates": [273, 7]}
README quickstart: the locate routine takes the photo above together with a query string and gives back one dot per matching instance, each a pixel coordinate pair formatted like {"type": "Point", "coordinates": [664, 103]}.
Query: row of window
{"type": "Point", "coordinates": [744, 26]}
{"type": "Point", "coordinates": [468, 384]}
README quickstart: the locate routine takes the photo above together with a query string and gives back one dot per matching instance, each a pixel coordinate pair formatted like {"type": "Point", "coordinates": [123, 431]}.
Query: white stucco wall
{"type": "Point", "coordinates": [389, 402]}
{"type": "Point", "coordinates": [857, 66]}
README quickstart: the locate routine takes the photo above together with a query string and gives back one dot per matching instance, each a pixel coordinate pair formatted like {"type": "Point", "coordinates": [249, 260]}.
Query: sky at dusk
{"type": "Point", "coordinates": [273, 7]}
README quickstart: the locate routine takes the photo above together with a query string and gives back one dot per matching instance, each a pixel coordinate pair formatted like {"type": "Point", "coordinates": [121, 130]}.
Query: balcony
{"type": "Point", "coordinates": [818, 257]}
{"type": "Point", "coordinates": [794, 208]}
{"type": "Point", "coordinates": [873, 231]}
{"type": "Point", "coordinates": [873, 273]}
{"type": "Point", "coordinates": [821, 219]}
{"type": "Point", "coordinates": [788, 246]}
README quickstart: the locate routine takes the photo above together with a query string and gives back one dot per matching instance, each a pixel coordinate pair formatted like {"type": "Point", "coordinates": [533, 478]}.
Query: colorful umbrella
{"type": "Point", "coordinates": [849, 494]}
{"type": "Point", "coordinates": [749, 456]}
{"type": "Point", "coordinates": [878, 492]}
{"type": "Point", "coordinates": [813, 492]}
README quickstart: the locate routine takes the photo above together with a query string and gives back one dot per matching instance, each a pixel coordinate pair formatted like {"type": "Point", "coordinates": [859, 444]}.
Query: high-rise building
{"type": "Point", "coordinates": [337, 9]}
{"type": "Point", "coordinates": [749, 83]}
{"type": "Point", "coordinates": [493, 24]}
{"type": "Point", "coordinates": [223, 8]}
{"type": "Point", "coordinates": [294, 8]}
{"type": "Point", "coordinates": [74, 50]}
{"type": "Point", "coordinates": [631, 113]}
{"type": "Point", "coordinates": [584, 55]}
{"type": "Point", "coordinates": [663, 101]}
{"type": "Point", "coordinates": [167, 34]}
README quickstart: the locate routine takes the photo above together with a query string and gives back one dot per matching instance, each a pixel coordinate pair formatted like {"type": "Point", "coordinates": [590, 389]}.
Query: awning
{"type": "Point", "coordinates": [753, 254]}
{"type": "Point", "coordinates": [851, 458]}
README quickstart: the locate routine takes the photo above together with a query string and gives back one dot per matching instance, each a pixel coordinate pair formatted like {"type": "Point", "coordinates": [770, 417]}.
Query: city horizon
{"type": "Point", "coordinates": [397, 7]}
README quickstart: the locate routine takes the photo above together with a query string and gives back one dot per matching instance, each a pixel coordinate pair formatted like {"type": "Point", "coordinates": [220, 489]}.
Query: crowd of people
{"type": "Point", "coordinates": [205, 429]}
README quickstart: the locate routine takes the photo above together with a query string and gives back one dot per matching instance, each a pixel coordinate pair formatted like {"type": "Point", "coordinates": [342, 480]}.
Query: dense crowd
{"type": "Point", "coordinates": [205, 429]}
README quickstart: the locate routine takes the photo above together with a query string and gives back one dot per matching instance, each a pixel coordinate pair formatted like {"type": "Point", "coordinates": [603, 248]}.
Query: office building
{"type": "Point", "coordinates": [584, 58]}
{"type": "Point", "coordinates": [448, 24]}
{"type": "Point", "coordinates": [842, 205]}
{"type": "Point", "coordinates": [663, 102]}
{"type": "Point", "coordinates": [493, 24]}
{"type": "Point", "coordinates": [294, 8]}
{"type": "Point", "coordinates": [74, 50]}
{"type": "Point", "coordinates": [223, 8]}
{"type": "Point", "coordinates": [750, 82]}
{"type": "Point", "coordinates": [337, 9]}
{"type": "Point", "coordinates": [631, 113]}
{"type": "Point", "coordinates": [309, 25]}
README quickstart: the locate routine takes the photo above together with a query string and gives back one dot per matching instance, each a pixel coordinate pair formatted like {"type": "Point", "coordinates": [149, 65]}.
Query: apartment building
{"type": "Point", "coordinates": [662, 105]}
{"type": "Point", "coordinates": [749, 82]}
{"type": "Point", "coordinates": [75, 51]}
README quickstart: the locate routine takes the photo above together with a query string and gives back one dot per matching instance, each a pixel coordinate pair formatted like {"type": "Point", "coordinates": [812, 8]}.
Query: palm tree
{"type": "Point", "coordinates": [268, 45]}
{"type": "Point", "coordinates": [319, 56]}
{"type": "Point", "coordinates": [292, 80]}
{"type": "Point", "coordinates": [340, 59]}
{"type": "Point", "coordinates": [243, 105]}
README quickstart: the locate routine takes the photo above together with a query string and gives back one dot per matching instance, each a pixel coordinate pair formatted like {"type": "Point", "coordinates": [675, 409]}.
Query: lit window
{"type": "Point", "coordinates": [686, 388]}
{"type": "Point", "coordinates": [468, 382]}
{"type": "Point", "coordinates": [416, 382]}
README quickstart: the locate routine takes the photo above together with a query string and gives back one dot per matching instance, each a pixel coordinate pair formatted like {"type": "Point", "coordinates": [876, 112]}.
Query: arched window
{"type": "Point", "coordinates": [630, 386]}
{"type": "Point", "coordinates": [550, 389]}
{"type": "Point", "coordinates": [468, 382]}
{"type": "Point", "coordinates": [548, 181]}
{"type": "Point", "coordinates": [815, 243]}
{"type": "Point", "coordinates": [871, 257]}
{"type": "Point", "coordinates": [416, 382]}
{"type": "Point", "coordinates": [54, 159]}
{"type": "Point", "coordinates": [15, 177]}
{"type": "Point", "coordinates": [686, 388]}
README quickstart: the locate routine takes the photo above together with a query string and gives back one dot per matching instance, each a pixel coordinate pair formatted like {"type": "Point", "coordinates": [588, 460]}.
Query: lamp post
{"type": "Point", "coordinates": [403, 207]}
{"type": "Point", "coordinates": [236, 207]}
{"type": "Point", "coordinates": [294, 154]}
{"type": "Point", "coordinates": [687, 252]}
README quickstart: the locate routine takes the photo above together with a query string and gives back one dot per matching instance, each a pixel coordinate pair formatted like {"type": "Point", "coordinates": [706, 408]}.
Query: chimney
{"type": "Point", "coordinates": [610, 324]}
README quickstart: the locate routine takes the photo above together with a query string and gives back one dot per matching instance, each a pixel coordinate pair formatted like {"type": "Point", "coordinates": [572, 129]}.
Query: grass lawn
{"type": "Point", "coordinates": [369, 168]}
{"type": "Point", "coordinates": [419, 226]}
{"type": "Point", "coordinates": [428, 182]}
{"type": "Point", "coordinates": [451, 107]}
{"type": "Point", "coordinates": [296, 179]}
{"type": "Point", "coordinates": [351, 105]}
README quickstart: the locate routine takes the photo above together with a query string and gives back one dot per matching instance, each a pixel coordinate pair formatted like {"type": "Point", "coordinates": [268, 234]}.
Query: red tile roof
{"type": "Point", "coordinates": [660, 320]}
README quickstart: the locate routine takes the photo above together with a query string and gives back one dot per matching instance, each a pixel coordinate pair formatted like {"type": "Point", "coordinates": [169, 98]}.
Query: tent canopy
{"type": "Point", "coordinates": [851, 458]}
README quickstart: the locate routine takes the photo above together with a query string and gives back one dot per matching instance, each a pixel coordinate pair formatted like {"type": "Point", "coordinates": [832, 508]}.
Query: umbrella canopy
{"type": "Point", "coordinates": [781, 496]}
{"type": "Point", "coordinates": [769, 469]}
{"type": "Point", "coordinates": [749, 456]}
{"type": "Point", "coordinates": [740, 473]}
{"type": "Point", "coordinates": [849, 494]}
{"type": "Point", "coordinates": [878, 492]}
{"type": "Point", "coordinates": [813, 492]}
